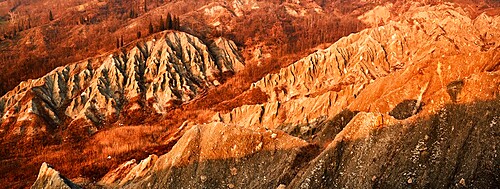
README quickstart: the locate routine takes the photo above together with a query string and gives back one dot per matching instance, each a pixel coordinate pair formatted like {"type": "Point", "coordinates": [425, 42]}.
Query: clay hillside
{"type": "Point", "coordinates": [249, 94]}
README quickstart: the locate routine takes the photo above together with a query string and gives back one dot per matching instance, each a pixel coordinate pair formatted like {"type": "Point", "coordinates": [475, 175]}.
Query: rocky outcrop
{"type": "Point", "coordinates": [226, 53]}
{"type": "Point", "coordinates": [379, 15]}
{"type": "Point", "coordinates": [208, 156]}
{"type": "Point", "coordinates": [128, 171]}
{"type": "Point", "coordinates": [445, 150]}
{"type": "Point", "coordinates": [376, 69]}
{"type": "Point", "coordinates": [169, 69]}
{"type": "Point", "coordinates": [50, 178]}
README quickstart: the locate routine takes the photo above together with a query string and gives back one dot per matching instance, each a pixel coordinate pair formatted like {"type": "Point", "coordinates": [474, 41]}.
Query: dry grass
{"type": "Point", "coordinates": [87, 158]}
{"type": "Point", "coordinates": [124, 139]}
{"type": "Point", "coordinates": [252, 96]}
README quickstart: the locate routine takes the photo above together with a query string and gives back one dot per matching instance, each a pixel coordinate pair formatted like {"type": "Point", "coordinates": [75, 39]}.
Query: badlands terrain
{"type": "Point", "coordinates": [249, 94]}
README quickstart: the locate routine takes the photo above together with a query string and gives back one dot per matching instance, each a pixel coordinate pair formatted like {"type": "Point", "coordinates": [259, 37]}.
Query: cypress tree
{"type": "Point", "coordinates": [20, 26]}
{"type": "Point", "coordinates": [51, 17]}
{"type": "Point", "coordinates": [162, 24]}
{"type": "Point", "coordinates": [151, 29]}
{"type": "Point", "coordinates": [177, 23]}
{"type": "Point", "coordinates": [169, 22]}
{"type": "Point", "coordinates": [131, 14]}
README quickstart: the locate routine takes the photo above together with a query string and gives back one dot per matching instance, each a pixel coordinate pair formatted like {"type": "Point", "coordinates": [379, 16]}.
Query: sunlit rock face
{"type": "Point", "coordinates": [170, 68]}
{"type": "Point", "coordinates": [208, 156]}
{"type": "Point", "coordinates": [415, 57]}
{"type": "Point", "coordinates": [50, 178]}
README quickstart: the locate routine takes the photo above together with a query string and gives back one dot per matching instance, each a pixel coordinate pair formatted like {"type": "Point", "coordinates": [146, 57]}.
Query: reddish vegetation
{"type": "Point", "coordinates": [86, 157]}
{"type": "Point", "coordinates": [49, 43]}
{"type": "Point", "coordinates": [239, 83]}
{"type": "Point", "coordinates": [41, 41]}
{"type": "Point", "coordinates": [73, 35]}
{"type": "Point", "coordinates": [252, 96]}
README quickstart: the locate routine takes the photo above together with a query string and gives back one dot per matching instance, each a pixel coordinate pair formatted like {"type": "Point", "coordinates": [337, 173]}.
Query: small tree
{"type": "Point", "coordinates": [20, 26]}
{"type": "Point", "coordinates": [177, 23]}
{"type": "Point", "coordinates": [51, 17]}
{"type": "Point", "coordinates": [132, 14]}
{"type": "Point", "coordinates": [151, 28]}
{"type": "Point", "coordinates": [169, 22]}
{"type": "Point", "coordinates": [138, 34]}
{"type": "Point", "coordinates": [162, 24]}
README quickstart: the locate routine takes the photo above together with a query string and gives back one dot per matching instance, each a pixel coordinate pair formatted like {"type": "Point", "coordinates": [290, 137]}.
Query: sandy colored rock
{"type": "Point", "coordinates": [171, 68]}
{"type": "Point", "coordinates": [50, 178]}
{"type": "Point", "coordinates": [414, 58]}
{"type": "Point", "coordinates": [219, 145]}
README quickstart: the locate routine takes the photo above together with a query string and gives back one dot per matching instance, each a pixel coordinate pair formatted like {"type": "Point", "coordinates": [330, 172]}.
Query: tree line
{"type": "Point", "coordinates": [170, 22]}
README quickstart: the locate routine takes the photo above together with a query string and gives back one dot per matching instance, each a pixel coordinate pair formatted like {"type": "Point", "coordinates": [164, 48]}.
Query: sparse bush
{"type": "Point", "coordinates": [51, 17]}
